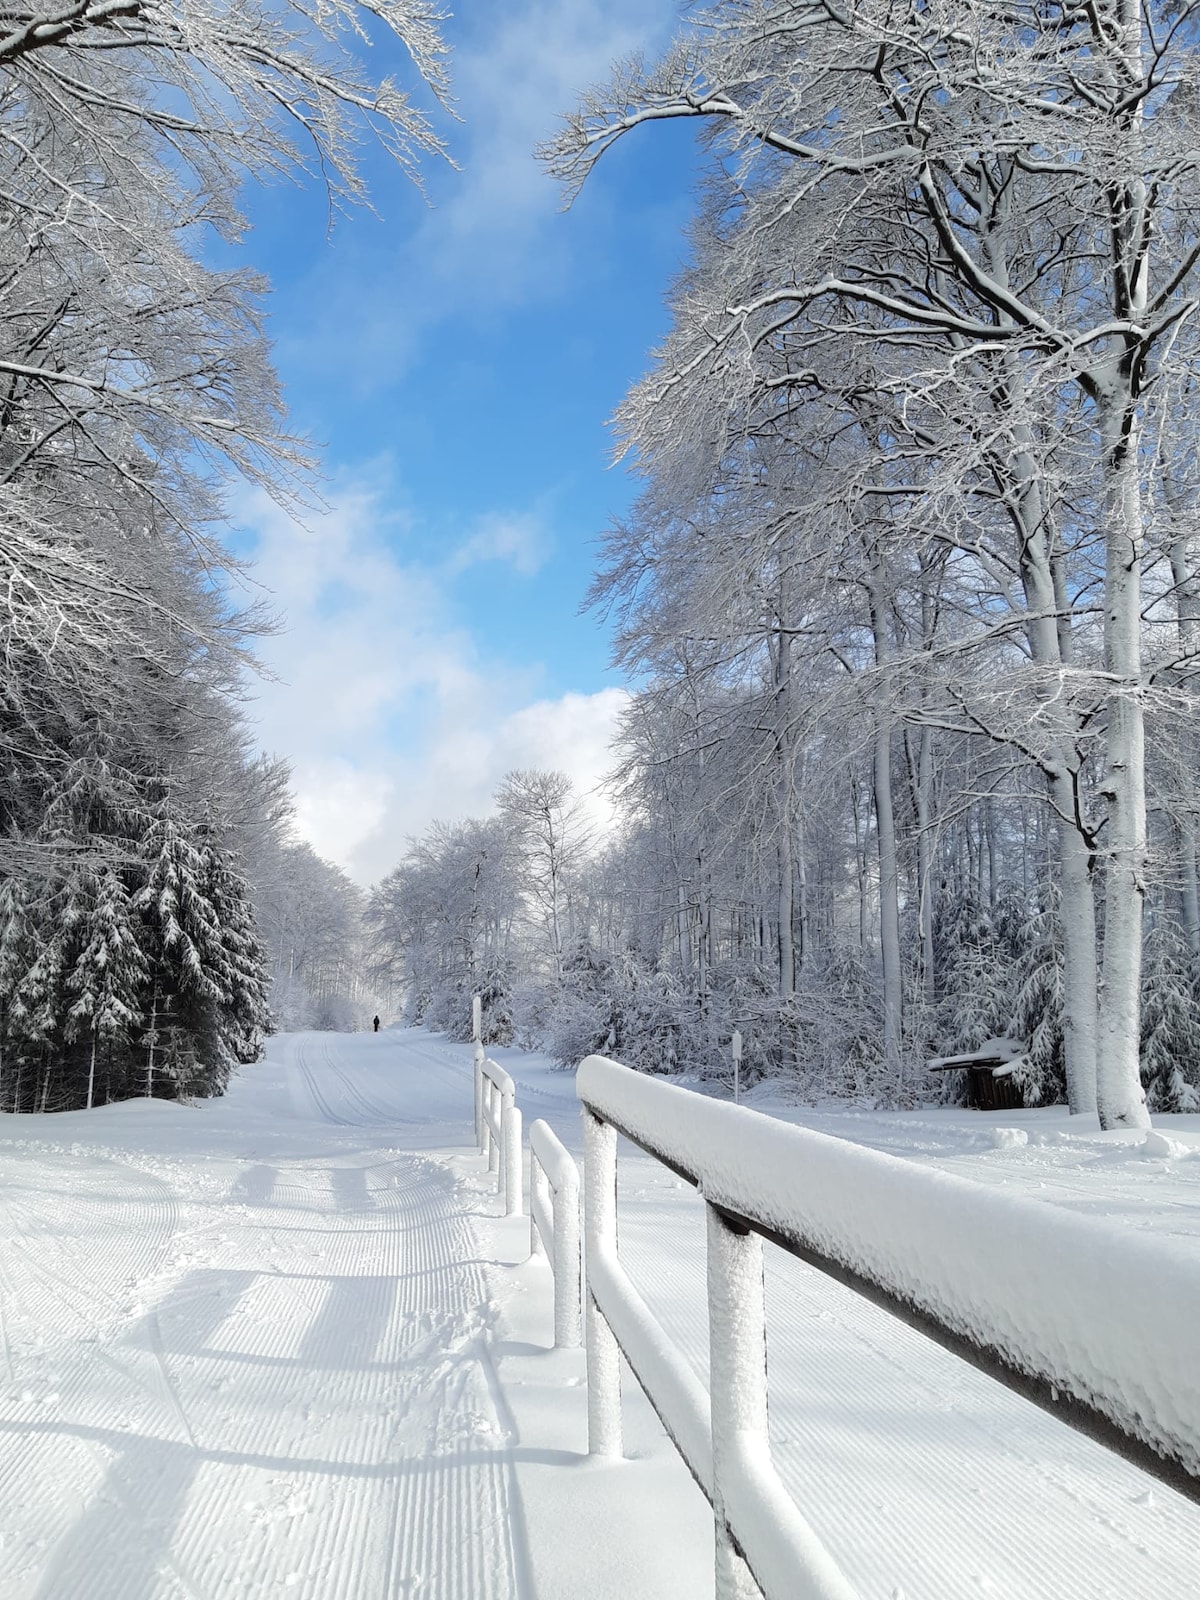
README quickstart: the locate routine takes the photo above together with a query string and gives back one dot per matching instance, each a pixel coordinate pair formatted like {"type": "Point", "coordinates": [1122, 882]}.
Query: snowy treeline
{"type": "Point", "coordinates": [135, 383]}
{"type": "Point", "coordinates": [913, 582]}
{"type": "Point", "coordinates": [910, 598]}
{"type": "Point", "coordinates": [654, 942]}
{"type": "Point", "coordinates": [311, 919]}
{"type": "Point", "coordinates": [491, 906]}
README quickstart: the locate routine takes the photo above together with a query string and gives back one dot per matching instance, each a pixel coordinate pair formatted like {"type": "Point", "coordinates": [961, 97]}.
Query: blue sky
{"type": "Point", "coordinates": [458, 362]}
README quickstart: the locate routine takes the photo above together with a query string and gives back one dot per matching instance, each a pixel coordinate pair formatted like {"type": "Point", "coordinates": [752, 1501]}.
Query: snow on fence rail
{"type": "Point", "coordinates": [1095, 1323]}
{"type": "Point", "coordinates": [554, 1221]}
{"type": "Point", "coordinates": [498, 1124]}
{"type": "Point", "coordinates": [554, 1226]}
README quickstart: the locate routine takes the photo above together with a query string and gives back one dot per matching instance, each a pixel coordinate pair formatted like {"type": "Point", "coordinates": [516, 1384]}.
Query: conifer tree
{"type": "Point", "coordinates": [16, 957]}
{"type": "Point", "coordinates": [1170, 1043]}
{"type": "Point", "coordinates": [107, 979]}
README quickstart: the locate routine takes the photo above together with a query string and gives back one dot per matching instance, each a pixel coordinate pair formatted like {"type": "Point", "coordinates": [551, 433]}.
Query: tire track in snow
{"type": "Point", "coordinates": [369, 1090]}
{"type": "Point", "coordinates": [328, 1089]}
{"type": "Point", "coordinates": [319, 1101]}
{"type": "Point", "coordinates": [402, 1073]}
{"type": "Point", "coordinates": [355, 1103]}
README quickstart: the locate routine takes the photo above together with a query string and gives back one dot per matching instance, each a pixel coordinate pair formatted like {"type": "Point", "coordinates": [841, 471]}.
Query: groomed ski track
{"type": "Point", "coordinates": [258, 1368]}
{"type": "Point", "coordinates": [283, 1345]}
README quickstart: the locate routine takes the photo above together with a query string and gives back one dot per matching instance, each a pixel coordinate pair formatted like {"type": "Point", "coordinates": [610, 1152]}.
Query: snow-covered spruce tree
{"type": "Point", "coordinates": [33, 1010]}
{"type": "Point", "coordinates": [16, 957]}
{"type": "Point", "coordinates": [976, 978]}
{"type": "Point", "coordinates": [1170, 1023]}
{"type": "Point", "coordinates": [48, 921]}
{"type": "Point", "coordinates": [244, 1017]}
{"type": "Point", "coordinates": [107, 980]}
{"type": "Point", "coordinates": [118, 910]}
{"type": "Point", "coordinates": [207, 1007]}
{"type": "Point", "coordinates": [1037, 1015]}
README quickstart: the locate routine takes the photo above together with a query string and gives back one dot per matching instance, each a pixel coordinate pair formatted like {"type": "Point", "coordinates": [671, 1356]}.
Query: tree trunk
{"type": "Point", "coordinates": [925, 863]}
{"type": "Point", "coordinates": [804, 949]}
{"type": "Point", "coordinates": [555, 920]}
{"type": "Point", "coordinates": [150, 1052]}
{"type": "Point", "coordinates": [781, 652]}
{"type": "Point", "coordinates": [787, 953]}
{"type": "Point", "coordinates": [889, 901]}
{"type": "Point", "coordinates": [1048, 631]}
{"type": "Point", "coordinates": [885, 829]}
{"type": "Point", "coordinates": [1077, 912]}
{"type": "Point", "coordinates": [1188, 623]}
{"type": "Point", "coordinates": [860, 859]}
{"type": "Point", "coordinates": [1120, 1098]}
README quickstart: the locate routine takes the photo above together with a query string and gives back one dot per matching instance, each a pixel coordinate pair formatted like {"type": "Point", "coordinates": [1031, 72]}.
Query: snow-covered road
{"type": "Point", "coordinates": [244, 1345]}
{"type": "Point", "coordinates": [282, 1344]}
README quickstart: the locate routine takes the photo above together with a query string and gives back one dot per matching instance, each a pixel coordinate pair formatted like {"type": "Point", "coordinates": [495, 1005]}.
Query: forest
{"type": "Point", "coordinates": [152, 892]}
{"type": "Point", "coordinates": [908, 603]}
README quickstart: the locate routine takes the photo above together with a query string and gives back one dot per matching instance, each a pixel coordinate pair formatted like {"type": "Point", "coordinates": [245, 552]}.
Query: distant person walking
{"type": "Point", "coordinates": [376, 1024]}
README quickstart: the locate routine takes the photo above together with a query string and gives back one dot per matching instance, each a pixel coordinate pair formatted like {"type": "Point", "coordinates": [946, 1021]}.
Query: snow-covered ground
{"type": "Point", "coordinates": [283, 1344]}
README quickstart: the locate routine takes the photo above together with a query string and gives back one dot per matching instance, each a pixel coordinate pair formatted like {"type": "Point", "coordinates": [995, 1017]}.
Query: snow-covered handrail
{"type": "Point", "coordinates": [479, 1082]}
{"type": "Point", "coordinates": [1093, 1322]}
{"type": "Point", "coordinates": [500, 1130]}
{"type": "Point", "coordinates": [554, 1226]}
{"type": "Point", "coordinates": [763, 1543]}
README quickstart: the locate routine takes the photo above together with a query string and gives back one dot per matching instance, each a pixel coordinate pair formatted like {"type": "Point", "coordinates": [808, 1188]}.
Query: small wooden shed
{"type": "Point", "coordinates": [990, 1082]}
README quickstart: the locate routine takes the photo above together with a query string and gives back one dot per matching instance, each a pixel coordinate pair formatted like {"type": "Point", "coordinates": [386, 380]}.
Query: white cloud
{"type": "Point", "coordinates": [571, 734]}
{"type": "Point", "coordinates": [457, 771]}
{"type": "Point", "coordinates": [339, 805]}
{"type": "Point", "coordinates": [384, 704]}
{"type": "Point", "coordinates": [519, 540]}
{"type": "Point", "coordinates": [494, 238]}
{"type": "Point", "coordinates": [520, 72]}
{"type": "Point", "coordinates": [389, 709]}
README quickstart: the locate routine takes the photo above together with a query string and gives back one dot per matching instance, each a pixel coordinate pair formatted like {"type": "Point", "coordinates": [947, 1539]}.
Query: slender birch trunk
{"type": "Point", "coordinates": [683, 938]}
{"type": "Point", "coordinates": [1121, 1100]}
{"type": "Point", "coordinates": [787, 951]}
{"type": "Point", "coordinates": [889, 900]}
{"type": "Point", "coordinates": [1048, 633]}
{"type": "Point", "coordinates": [885, 829]}
{"type": "Point", "coordinates": [1188, 623]}
{"type": "Point", "coordinates": [925, 862]}
{"type": "Point", "coordinates": [804, 947]}
{"type": "Point", "coordinates": [782, 652]}
{"type": "Point", "coordinates": [555, 919]}
{"type": "Point", "coordinates": [1120, 1097]}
